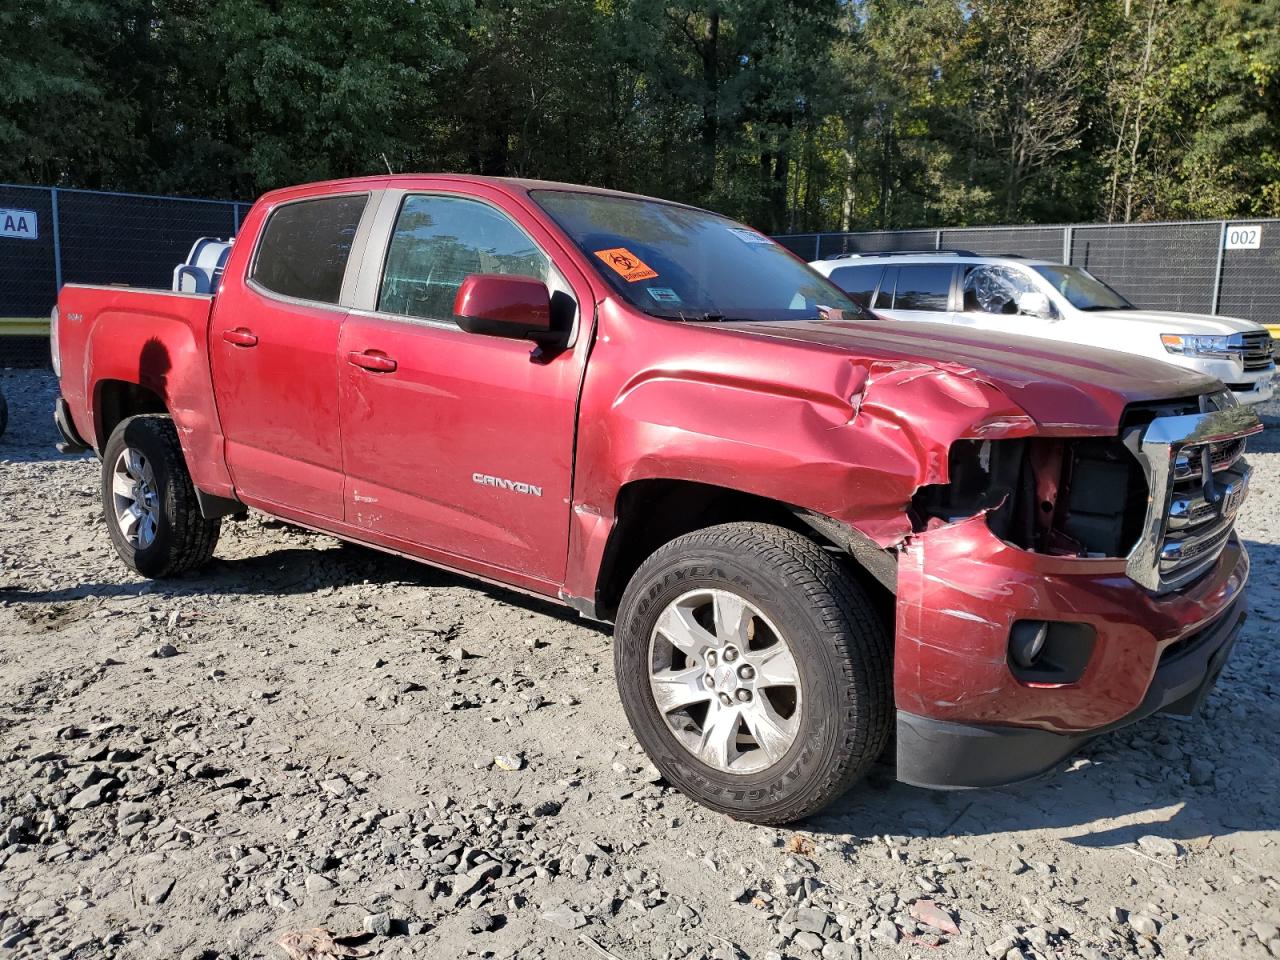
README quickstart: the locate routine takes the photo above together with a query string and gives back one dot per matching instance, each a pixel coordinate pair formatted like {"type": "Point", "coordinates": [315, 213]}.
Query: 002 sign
{"type": "Point", "coordinates": [1243, 237]}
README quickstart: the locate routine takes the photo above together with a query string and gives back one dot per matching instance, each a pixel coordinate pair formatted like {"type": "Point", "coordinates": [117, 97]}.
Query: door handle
{"type": "Point", "coordinates": [240, 337]}
{"type": "Point", "coordinates": [377, 362]}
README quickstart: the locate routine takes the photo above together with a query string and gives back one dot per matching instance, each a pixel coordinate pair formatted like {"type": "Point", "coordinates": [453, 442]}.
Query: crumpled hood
{"type": "Point", "coordinates": [1066, 389]}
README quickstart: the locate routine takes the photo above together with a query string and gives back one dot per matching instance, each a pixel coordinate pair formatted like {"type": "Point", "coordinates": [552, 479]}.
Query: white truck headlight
{"type": "Point", "coordinates": [1202, 345]}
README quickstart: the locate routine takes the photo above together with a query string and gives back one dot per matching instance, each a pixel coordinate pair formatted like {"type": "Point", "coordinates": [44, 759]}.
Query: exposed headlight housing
{"type": "Point", "coordinates": [1203, 345]}
{"type": "Point", "coordinates": [54, 353]}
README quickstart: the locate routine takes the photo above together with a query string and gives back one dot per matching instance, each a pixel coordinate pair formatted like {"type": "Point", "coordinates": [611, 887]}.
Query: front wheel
{"type": "Point", "coordinates": [755, 671]}
{"type": "Point", "coordinates": [149, 501]}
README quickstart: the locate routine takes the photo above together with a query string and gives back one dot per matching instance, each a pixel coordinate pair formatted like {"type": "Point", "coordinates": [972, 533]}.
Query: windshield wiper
{"type": "Point", "coordinates": [709, 316]}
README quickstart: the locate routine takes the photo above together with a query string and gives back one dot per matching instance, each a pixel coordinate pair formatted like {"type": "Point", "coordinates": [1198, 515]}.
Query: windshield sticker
{"type": "Point", "coordinates": [749, 236]}
{"type": "Point", "coordinates": [626, 264]}
{"type": "Point", "coordinates": [664, 294]}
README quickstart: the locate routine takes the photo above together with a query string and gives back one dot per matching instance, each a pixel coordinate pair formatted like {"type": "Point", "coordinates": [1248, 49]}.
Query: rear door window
{"type": "Point", "coordinates": [884, 299]}
{"type": "Point", "coordinates": [858, 282]}
{"type": "Point", "coordinates": [925, 286]}
{"type": "Point", "coordinates": [305, 247]}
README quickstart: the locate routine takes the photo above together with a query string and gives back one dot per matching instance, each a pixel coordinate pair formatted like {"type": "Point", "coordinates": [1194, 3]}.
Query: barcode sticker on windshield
{"type": "Point", "coordinates": [749, 236]}
{"type": "Point", "coordinates": [626, 264]}
{"type": "Point", "coordinates": [664, 294]}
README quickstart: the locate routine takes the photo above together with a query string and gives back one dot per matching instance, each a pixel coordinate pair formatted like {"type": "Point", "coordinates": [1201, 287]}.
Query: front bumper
{"type": "Point", "coordinates": [1256, 391]}
{"type": "Point", "coordinates": [952, 756]}
{"type": "Point", "coordinates": [965, 719]}
{"type": "Point", "coordinates": [1248, 386]}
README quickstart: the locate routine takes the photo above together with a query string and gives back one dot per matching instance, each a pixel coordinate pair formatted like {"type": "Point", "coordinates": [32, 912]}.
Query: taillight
{"type": "Point", "coordinates": [53, 343]}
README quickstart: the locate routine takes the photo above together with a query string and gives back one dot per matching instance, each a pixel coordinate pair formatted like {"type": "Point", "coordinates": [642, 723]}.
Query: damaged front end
{"type": "Point", "coordinates": [1056, 496]}
{"type": "Point", "coordinates": [1162, 494]}
{"type": "Point", "coordinates": [1056, 587]}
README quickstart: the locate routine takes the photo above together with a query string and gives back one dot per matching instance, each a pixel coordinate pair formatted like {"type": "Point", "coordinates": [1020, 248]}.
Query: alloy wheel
{"type": "Point", "coordinates": [725, 680]}
{"type": "Point", "coordinates": [135, 499]}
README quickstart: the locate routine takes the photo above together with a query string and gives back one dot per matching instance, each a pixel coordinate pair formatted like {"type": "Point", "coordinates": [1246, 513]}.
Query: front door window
{"type": "Point", "coordinates": [439, 242]}
{"type": "Point", "coordinates": [995, 289]}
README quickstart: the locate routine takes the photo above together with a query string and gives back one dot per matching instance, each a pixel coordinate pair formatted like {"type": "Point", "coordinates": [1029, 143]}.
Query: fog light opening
{"type": "Point", "coordinates": [1026, 642]}
{"type": "Point", "coordinates": [1050, 652]}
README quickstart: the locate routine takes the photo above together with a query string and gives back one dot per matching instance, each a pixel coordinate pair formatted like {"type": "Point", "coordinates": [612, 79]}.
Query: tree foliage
{"type": "Point", "coordinates": [791, 114]}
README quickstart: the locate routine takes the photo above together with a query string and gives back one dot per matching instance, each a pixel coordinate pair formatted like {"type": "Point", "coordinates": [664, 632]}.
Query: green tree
{"type": "Point", "coordinates": [57, 122]}
{"type": "Point", "coordinates": [1029, 77]}
{"type": "Point", "coordinates": [792, 114]}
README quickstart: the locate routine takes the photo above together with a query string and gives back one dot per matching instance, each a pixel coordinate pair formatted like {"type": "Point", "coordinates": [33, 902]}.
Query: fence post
{"type": "Point", "coordinates": [1217, 270]}
{"type": "Point", "coordinates": [1067, 233]}
{"type": "Point", "coordinates": [235, 218]}
{"type": "Point", "coordinates": [937, 240]}
{"type": "Point", "coordinates": [57, 241]}
{"type": "Point", "coordinates": [817, 246]}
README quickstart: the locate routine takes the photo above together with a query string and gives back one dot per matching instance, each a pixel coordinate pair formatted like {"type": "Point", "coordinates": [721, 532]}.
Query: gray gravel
{"type": "Point", "coordinates": [312, 735]}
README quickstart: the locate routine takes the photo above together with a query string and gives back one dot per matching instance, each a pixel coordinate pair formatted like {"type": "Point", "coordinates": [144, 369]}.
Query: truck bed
{"type": "Point", "coordinates": [123, 338]}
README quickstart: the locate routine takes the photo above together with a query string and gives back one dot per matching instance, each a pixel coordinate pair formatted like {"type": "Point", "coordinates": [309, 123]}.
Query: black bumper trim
{"type": "Point", "coordinates": [958, 756]}
{"type": "Point", "coordinates": [71, 440]}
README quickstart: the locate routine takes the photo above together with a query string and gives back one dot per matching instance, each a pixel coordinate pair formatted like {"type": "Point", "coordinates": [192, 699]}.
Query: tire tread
{"type": "Point", "coordinates": [194, 537]}
{"type": "Point", "coordinates": [851, 625]}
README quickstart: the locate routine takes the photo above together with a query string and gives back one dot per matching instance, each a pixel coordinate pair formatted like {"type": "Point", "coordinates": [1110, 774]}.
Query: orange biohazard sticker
{"type": "Point", "coordinates": [626, 264]}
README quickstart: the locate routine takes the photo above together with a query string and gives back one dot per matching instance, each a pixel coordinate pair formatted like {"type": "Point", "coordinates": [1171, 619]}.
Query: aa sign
{"type": "Point", "coordinates": [20, 224]}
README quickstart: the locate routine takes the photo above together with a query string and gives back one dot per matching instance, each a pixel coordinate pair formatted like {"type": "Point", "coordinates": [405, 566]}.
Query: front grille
{"type": "Point", "coordinates": [1197, 480]}
{"type": "Point", "coordinates": [1189, 464]}
{"type": "Point", "coordinates": [1257, 350]}
{"type": "Point", "coordinates": [1202, 509]}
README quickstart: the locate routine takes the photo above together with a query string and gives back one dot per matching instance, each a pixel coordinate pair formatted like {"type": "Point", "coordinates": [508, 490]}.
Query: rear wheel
{"type": "Point", "coordinates": [149, 501]}
{"type": "Point", "coordinates": [755, 671]}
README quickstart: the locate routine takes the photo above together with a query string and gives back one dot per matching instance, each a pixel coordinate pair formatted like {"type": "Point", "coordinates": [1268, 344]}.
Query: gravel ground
{"type": "Point", "coordinates": [312, 735]}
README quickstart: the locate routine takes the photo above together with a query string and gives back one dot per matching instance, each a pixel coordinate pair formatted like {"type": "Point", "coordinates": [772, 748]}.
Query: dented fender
{"type": "Point", "coordinates": [845, 435]}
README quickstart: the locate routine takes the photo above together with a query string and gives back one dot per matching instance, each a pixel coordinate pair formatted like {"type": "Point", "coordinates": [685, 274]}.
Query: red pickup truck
{"type": "Point", "coordinates": [815, 532]}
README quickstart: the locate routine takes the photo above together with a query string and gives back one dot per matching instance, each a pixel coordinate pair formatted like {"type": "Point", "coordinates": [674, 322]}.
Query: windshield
{"type": "Point", "coordinates": [685, 264]}
{"type": "Point", "coordinates": [1082, 289]}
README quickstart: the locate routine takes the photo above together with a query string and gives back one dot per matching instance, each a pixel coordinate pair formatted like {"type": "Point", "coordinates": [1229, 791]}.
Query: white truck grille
{"type": "Point", "coordinates": [1256, 350]}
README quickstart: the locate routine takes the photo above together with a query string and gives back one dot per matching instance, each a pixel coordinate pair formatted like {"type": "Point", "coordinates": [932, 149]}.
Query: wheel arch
{"type": "Point", "coordinates": [116, 400]}
{"type": "Point", "coordinates": [652, 512]}
{"type": "Point", "coordinates": [145, 354]}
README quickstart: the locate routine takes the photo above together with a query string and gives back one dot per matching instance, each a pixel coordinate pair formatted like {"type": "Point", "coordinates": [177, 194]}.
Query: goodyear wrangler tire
{"type": "Point", "coordinates": [754, 670]}
{"type": "Point", "coordinates": [149, 502]}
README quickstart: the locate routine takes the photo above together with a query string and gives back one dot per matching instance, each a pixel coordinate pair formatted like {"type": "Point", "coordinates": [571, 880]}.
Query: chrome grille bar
{"type": "Point", "coordinates": [1197, 482]}
{"type": "Point", "coordinates": [1189, 464]}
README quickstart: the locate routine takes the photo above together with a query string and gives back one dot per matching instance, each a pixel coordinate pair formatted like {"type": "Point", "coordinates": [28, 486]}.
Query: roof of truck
{"type": "Point", "coordinates": [408, 180]}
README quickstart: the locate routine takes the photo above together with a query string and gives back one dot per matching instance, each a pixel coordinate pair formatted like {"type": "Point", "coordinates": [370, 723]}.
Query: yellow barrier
{"type": "Point", "coordinates": [24, 326]}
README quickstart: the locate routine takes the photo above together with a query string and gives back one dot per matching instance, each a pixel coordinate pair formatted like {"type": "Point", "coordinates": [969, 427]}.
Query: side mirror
{"type": "Point", "coordinates": [503, 306]}
{"type": "Point", "coordinates": [1033, 303]}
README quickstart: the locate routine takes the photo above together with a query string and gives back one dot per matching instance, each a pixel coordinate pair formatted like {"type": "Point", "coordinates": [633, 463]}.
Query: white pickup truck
{"type": "Point", "coordinates": [1039, 298]}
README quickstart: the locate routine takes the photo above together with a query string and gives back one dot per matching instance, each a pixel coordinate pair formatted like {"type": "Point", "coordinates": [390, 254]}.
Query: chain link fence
{"type": "Point", "coordinates": [51, 236]}
{"type": "Point", "coordinates": [1230, 268]}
